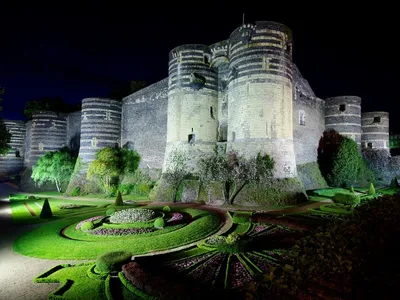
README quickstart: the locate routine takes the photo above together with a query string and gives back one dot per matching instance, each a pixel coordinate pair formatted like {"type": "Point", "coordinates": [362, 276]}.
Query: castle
{"type": "Point", "coordinates": [242, 94]}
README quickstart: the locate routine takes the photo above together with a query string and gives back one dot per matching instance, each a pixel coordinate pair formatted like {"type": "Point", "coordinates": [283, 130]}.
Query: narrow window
{"type": "Point", "coordinates": [369, 145]}
{"type": "Point", "coordinates": [211, 112]}
{"type": "Point", "coordinates": [302, 118]}
{"type": "Point", "coordinates": [377, 119]}
{"type": "Point", "coordinates": [288, 47]}
{"type": "Point", "coordinates": [342, 107]}
{"type": "Point", "coordinates": [191, 138]}
{"type": "Point", "coordinates": [206, 61]}
{"type": "Point", "coordinates": [17, 154]}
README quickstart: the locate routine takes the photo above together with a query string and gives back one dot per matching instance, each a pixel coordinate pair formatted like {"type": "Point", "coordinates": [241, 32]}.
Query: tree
{"type": "Point", "coordinates": [234, 172]}
{"type": "Point", "coordinates": [5, 135]}
{"type": "Point", "coordinates": [176, 171]}
{"type": "Point", "coordinates": [55, 167]}
{"type": "Point", "coordinates": [46, 212]}
{"type": "Point", "coordinates": [347, 164]}
{"type": "Point", "coordinates": [110, 164]}
{"type": "Point", "coordinates": [55, 104]}
{"type": "Point", "coordinates": [106, 168]}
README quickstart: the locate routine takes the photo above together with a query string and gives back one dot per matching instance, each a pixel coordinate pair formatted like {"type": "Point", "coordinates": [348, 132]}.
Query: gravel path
{"type": "Point", "coordinates": [17, 271]}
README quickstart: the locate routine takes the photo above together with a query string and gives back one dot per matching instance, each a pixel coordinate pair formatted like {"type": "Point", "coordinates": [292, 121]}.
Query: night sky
{"type": "Point", "coordinates": [82, 51]}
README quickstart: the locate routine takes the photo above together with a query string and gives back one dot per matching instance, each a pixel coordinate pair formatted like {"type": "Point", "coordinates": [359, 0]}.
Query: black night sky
{"type": "Point", "coordinates": [74, 52]}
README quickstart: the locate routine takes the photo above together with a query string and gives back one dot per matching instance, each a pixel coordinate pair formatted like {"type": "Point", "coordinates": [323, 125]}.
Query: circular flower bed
{"type": "Point", "coordinates": [133, 215]}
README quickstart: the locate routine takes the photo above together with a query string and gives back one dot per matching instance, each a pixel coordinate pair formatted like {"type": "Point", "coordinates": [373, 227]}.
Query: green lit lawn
{"type": "Point", "coordinates": [46, 241]}
{"type": "Point", "coordinates": [75, 284]}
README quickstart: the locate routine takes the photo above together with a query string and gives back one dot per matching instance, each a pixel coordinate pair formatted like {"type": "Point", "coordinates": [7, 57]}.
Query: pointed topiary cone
{"type": "Point", "coordinates": [46, 212]}
{"type": "Point", "coordinates": [352, 190]}
{"type": "Point", "coordinates": [118, 200]}
{"type": "Point", "coordinates": [371, 190]}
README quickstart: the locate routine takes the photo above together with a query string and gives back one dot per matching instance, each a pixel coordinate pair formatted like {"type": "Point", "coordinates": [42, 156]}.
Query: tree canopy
{"type": "Point", "coordinates": [55, 104]}
{"type": "Point", "coordinates": [234, 172]}
{"type": "Point", "coordinates": [55, 167]}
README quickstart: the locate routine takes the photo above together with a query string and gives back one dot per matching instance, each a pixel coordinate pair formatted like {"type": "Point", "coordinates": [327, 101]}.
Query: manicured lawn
{"type": "Point", "coordinates": [47, 242]}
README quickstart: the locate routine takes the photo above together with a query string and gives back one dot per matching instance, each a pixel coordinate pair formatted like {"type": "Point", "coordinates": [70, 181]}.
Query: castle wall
{"type": "Point", "coordinates": [260, 95]}
{"type": "Point", "coordinates": [192, 104]}
{"type": "Point", "coordinates": [375, 128]}
{"type": "Point", "coordinates": [73, 130]}
{"type": "Point", "coordinates": [144, 123]}
{"type": "Point", "coordinates": [47, 133]}
{"type": "Point", "coordinates": [100, 126]}
{"type": "Point", "coordinates": [13, 162]}
{"type": "Point", "coordinates": [308, 120]}
{"type": "Point", "coordinates": [343, 114]}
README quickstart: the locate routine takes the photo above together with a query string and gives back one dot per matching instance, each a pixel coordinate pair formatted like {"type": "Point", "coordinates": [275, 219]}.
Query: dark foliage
{"type": "Point", "coordinates": [46, 212]}
{"type": "Point", "coordinates": [112, 261]}
{"type": "Point", "coordinates": [118, 200]}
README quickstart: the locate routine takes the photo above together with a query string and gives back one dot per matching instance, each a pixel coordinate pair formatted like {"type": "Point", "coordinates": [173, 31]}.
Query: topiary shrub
{"type": "Point", "coordinates": [352, 190]}
{"type": "Point", "coordinates": [110, 211]}
{"type": "Point", "coordinates": [31, 197]}
{"type": "Point", "coordinates": [166, 208]}
{"type": "Point", "coordinates": [46, 212]}
{"type": "Point", "coordinates": [76, 191]}
{"type": "Point", "coordinates": [118, 200]}
{"type": "Point", "coordinates": [87, 226]}
{"type": "Point", "coordinates": [112, 261]}
{"type": "Point", "coordinates": [159, 223]}
{"type": "Point", "coordinates": [346, 198]}
{"type": "Point", "coordinates": [232, 238]}
{"type": "Point", "coordinates": [371, 190]}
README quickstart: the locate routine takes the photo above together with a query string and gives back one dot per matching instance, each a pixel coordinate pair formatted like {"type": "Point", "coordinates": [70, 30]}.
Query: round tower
{"type": "Point", "coordinates": [343, 114]}
{"type": "Point", "coordinates": [375, 130]}
{"type": "Point", "coordinates": [260, 94]}
{"type": "Point", "coordinates": [13, 162]}
{"type": "Point", "coordinates": [47, 133]}
{"type": "Point", "coordinates": [192, 104]}
{"type": "Point", "coordinates": [220, 63]}
{"type": "Point", "coordinates": [100, 126]}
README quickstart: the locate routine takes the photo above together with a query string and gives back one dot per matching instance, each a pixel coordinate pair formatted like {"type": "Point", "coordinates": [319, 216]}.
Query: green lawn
{"type": "Point", "coordinates": [46, 241]}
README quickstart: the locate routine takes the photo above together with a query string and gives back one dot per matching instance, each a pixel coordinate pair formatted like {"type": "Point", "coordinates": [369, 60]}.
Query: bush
{"type": "Point", "coordinates": [159, 223]}
{"type": "Point", "coordinates": [110, 211]}
{"type": "Point", "coordinates": [232, 238]}
{"type": "Point", "coordinates": [112, 261]}
{"type": "Point", "coordinates": [371, 190]}
{"type": "Point", "coordinates": [352, 190]}
{"type": "Point", "coordinates": [87, 226]}
{"type": "Point", "coordinates": [76, 191]}
{"type": "Point", "coordinates": [118, 200]}
{"type": "Point", "coordinates": [310, 176]}
{"type": "Point", "coordinates": [133, 215]}
{"type": "Point", "coordinates": [346, 198]}
{"type": "Point", "coordinates": [31, 197]}
{"type": "Point", "coordinates": [394, 183]}
{"type": "Point", "coordinates": [166, 208]}
{"type": "Point", "coordinates": [46, 212]}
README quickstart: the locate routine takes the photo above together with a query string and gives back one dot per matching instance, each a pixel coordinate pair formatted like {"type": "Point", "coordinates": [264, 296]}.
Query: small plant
{"type": "Point", "coordinates": [166, 208]}
{"type": "Point", "coordinates": [352, 190]}
{"type": "Point", "coordinates": [371, 190]}
{"type": "Point", "coordinates": [346, 198]}
{"type": "Point", "coordinates": [159, 223]}
{"type": "Point", "coordinates": [118, 200]}
{"type": "Point", "coordinates": [112, 261]}
{"type": "Point", "coordinates": [232, 238]}
{"type": "Point", "coordinates": [31, 197]}
{"type": "Point", "coordinates": [110, 211]}
{"type": "Point", "coordinates": [76, 191]}
{"type": "Point", "coordinates": [87, 226]}
{"type": "Point", "coordinates": [46, 212]}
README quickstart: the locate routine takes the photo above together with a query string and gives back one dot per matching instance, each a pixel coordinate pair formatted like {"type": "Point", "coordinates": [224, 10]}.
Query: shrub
{"type": "Point", "coordinates": [31, 197]}
{"type": "Point", "coordinates": [371, 190]}
{"type": "Point", "coordinates": [112, 261]}
{"type": "Point", "coordinates": [132, 215]}
{"type": "Point", "coordinates": [352, 190]}
{"type": "Point", "coordinates": [346, 198]}
{"type": "Point", "coordinates": [87, 226]}
{"type": "Point", "coordinates": [394, 183]}
{"type": "Point", "coordinates": [159, 223]}
{"type": "Point", "coordinates": [46, 212]}
{"type": "Point", "coordinates": [118, 200]}
{"type": "Point", "coordinates": [110, 211]}
{"type": "Point", "coordinates": [166, 208]}
{"type": "Point", "coordinates": [76, 191]}
{"type": "Point", "coordinates": [232, 238]}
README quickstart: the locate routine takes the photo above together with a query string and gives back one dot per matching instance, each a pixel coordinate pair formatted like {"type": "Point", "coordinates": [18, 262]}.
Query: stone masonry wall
{"type": "Point", "coordinates": [144, 123]}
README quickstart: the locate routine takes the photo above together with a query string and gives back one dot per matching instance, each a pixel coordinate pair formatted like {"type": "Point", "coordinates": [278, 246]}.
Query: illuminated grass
{"type": "Point", "coordinates": [75, 284]}
{"type": "Point", "coordinates": [46, 241]}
